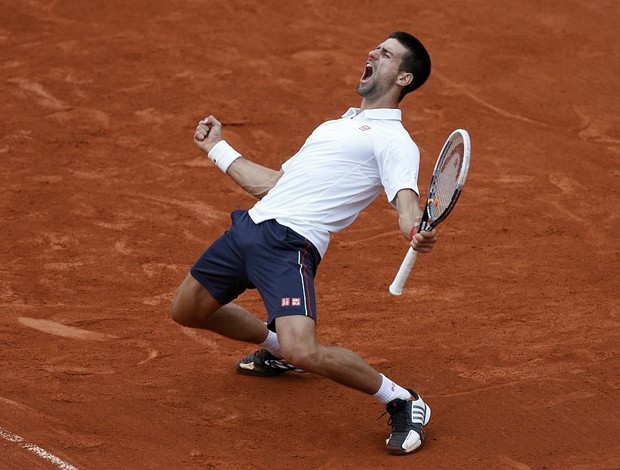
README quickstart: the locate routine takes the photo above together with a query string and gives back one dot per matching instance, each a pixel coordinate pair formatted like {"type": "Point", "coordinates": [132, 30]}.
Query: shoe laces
{"type": "Point", "coordinates": [263, 355]}
{"type": "Point", "coordinates": [398, 415]}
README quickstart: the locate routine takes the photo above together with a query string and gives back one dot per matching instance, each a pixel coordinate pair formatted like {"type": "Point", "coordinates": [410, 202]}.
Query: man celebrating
{"type": "Point", "coordinates": [277, 245]}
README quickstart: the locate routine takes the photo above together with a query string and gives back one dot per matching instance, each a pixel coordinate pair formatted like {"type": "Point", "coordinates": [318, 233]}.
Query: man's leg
{"type": "Point", "coordinates": [194, 307]}
{"type": "Point", "coordinates": [298, 341]}
{"type": "Point", "coordinates": [408, 412]}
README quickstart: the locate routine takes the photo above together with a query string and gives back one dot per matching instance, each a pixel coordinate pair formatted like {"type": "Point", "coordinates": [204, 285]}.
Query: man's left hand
{"type": "Point", "coordinates": [424, 241]}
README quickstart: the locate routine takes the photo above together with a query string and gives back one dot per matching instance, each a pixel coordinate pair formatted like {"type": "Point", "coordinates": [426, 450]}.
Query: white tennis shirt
{"type": "Point", "coordinates": [341, 168]}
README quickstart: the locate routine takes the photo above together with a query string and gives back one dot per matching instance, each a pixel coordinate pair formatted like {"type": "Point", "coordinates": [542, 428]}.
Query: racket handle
{"type": "Point", "coordinates": [403, 272]}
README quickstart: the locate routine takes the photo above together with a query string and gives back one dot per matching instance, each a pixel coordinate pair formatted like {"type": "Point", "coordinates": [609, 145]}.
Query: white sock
{"type": "Point", "coordinates": [390, 391]}
{"type": "Point", "coordinates": [272, 344]}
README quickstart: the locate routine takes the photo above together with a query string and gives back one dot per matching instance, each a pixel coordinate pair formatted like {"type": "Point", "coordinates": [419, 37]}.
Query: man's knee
{"type": "Point", "coordinates": [192, 303]}
{"type": "Point", "coordinates": [179, 311]}
{"type": "Point", "coordinates": [176, 312]}
{"type": "Point", "coordinates": [297, 337]}
{"type": "Point", "coordinates": [303, 357]}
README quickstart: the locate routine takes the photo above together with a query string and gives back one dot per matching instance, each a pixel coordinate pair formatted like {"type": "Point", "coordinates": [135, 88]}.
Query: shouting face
{"type": "Point", "coordinates": [382, 69]}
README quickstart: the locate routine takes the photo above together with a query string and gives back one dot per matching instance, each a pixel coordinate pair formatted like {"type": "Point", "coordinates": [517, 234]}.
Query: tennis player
{"type": "Point", "coordinates": [277, 245]}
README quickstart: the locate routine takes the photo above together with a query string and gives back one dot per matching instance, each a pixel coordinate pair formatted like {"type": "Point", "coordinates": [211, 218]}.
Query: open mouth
{"type": "Point", "coordinates": [368, 71]}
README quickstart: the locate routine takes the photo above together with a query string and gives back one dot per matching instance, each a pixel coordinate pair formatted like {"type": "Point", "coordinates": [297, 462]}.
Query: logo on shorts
{"type": "Point", "coordinates": [290, 302]}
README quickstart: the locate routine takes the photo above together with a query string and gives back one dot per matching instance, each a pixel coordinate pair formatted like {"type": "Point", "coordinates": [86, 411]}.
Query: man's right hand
{"type": "Point", "coordinates": [208, 133]}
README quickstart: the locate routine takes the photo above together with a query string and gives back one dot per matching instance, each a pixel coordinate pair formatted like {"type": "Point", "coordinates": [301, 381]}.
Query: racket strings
{"type": "Point", "coordinates": [447, 180]}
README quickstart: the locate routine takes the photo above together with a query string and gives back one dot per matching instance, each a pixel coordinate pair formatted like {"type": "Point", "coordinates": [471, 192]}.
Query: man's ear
{"type": "Point", "coordinates": [405, 78]}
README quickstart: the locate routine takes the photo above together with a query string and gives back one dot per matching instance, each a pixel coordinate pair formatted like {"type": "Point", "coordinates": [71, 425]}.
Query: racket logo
{"type": "Point", "coordinates": [432, 205]}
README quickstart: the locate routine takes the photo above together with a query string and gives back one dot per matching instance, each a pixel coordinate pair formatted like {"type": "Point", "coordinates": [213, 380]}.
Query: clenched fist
{"type": "Point", "coordinates": [208, 133]}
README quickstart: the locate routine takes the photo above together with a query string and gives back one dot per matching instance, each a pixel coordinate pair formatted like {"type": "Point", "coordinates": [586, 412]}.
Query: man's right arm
{"type": "Point", "coordinates": [255, 179]}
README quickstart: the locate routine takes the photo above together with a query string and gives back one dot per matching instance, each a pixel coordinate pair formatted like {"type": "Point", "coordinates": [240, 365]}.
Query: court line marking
{"type": "Point", "coordinates": [502, 112]}
{"type": "Point", "coordinates": [499, 385]}
{"type": "Point", "coordinates": [59, 329]}
{"type": "Point", "coordinates": [35, 449]}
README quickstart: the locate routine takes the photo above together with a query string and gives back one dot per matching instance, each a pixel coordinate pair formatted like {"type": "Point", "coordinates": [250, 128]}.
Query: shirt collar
{"type": "Point", "coordinates": [394, 114]}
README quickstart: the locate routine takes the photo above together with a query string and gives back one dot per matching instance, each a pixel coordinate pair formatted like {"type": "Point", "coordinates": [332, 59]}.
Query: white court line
{"type": "Point", "coordinates": [21, 442]}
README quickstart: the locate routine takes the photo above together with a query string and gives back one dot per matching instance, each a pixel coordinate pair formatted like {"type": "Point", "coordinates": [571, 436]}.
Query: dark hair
{"type": "Point", "coordinates": [417, 62]}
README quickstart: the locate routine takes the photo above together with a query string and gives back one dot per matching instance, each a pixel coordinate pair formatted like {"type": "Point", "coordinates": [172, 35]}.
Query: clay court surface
{"type": "Point", "coordinates": [509, 329]}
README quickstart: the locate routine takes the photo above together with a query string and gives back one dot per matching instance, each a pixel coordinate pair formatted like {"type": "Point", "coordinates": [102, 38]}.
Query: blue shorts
{"type": "Point", "coordinates": [269, 257]}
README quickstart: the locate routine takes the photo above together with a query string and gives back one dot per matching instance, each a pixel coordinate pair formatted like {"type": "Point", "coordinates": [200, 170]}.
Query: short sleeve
{"type": "Point", "coordinates": [399, 163]}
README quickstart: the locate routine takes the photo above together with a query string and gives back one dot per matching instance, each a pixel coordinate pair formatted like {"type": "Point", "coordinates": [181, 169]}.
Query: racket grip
{"type": "Point", "coordinates": [396, 288]}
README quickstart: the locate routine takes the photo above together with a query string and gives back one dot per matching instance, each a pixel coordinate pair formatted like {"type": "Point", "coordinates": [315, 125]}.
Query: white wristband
{"type": "Point", "coordinates": [222, 154]}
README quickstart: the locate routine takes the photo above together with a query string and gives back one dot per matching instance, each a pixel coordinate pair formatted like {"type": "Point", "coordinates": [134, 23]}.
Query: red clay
{"type": "Point", "coordinates": [509, 329]}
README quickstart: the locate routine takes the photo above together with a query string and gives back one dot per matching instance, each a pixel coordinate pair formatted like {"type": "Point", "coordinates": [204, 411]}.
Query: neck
{"type": "Point", "coordinates": [384, 102]}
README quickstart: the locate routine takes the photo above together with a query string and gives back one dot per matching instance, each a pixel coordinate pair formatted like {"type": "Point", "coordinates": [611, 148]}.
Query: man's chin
{"type": "Point", "coordinates": [363, 90]}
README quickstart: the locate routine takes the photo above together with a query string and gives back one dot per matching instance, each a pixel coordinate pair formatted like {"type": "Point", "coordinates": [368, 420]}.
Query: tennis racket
{"type": "Point", "coordinates": [446, 184]}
